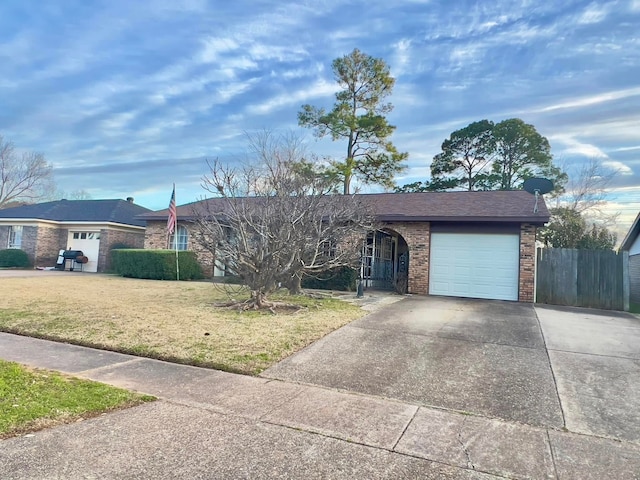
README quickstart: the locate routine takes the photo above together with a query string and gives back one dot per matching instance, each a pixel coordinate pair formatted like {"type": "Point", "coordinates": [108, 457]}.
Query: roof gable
{"type": "Point", "coordinates": [99, 211]}
{"type": "Point", "coordinates": [631, 235]}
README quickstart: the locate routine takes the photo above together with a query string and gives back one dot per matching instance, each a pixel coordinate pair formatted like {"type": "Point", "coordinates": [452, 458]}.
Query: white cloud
{"type": "Point", "coordinates": [587, 150]}
{"type": "Point", "coordinates": [117, 122]}
{"type": "Point", "coordinates": [617, 166]}
{"type": "Point", "coordinates": [320, 88]}
{"type": "Point", "coordinates": [594, 13]}
{"type": "Point", "coordinates": [592, 100]}
{"type": "Point", "coordinates": [402, 57]}
{"type": "Point", "coordinates": [213, 47]}
{"type": "Point", "coordinates": [576, 147]}
{"type": "Point", "coordinates": [626, 149]}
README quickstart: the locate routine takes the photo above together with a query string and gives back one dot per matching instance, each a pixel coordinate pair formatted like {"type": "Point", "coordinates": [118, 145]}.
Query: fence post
{"type": "Point", "coordinates": [625, 280]}
{"type": "Point", "coordinates": [535, 275]}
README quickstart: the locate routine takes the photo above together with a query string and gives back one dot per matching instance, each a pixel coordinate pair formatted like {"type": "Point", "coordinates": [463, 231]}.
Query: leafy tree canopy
{"type": "Point", "coordinates": [488, 156]}
{"type": "Point", "coordinates": [521, 153]}
{"type": "Point", "coordinates": [465, 158]}
{"type": "Point", "coordinates": [569, 229]}
{"type": "Point", "coordinates": [358, 116]}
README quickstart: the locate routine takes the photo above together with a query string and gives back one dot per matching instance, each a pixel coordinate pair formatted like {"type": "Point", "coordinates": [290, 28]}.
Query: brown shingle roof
{"type": "Point", "coordinates": [502, 206]}
{"type": "Point", "coordinates": [494, 206]}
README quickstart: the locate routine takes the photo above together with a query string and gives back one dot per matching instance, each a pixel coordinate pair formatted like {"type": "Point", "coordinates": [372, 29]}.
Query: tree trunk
{"type": "Point", "coordinates": [294, 285]}
{"type": "Point", "coordinates": [258, 298]}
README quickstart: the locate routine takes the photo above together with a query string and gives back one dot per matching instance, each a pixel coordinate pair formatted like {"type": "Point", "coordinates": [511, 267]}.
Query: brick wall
{"type": "Point", "coordinates": [418, 236]}
{"type": "Point", "coordinates": [156, 238]}
{"type": "Point", "coordinates": [50, 240]}
{"type": "Point", "coordinates": [109, 238]}
{"type": "Point", "coordinates": [29, 240]}
{"type": "Point", "coordinates": [4, 237]}
{"type": "Point", "coordinates": [527, 262]}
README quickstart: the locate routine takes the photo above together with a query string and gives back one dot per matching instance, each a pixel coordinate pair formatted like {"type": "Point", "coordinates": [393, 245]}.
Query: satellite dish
{"type": "Point", "coordinates": [537, 187]}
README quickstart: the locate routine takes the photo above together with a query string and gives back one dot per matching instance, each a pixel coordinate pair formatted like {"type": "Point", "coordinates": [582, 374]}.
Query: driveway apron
{"type": "Point", "coordinates": [477, 356]}
{"type": "Point", "coordinates": [595, 356]}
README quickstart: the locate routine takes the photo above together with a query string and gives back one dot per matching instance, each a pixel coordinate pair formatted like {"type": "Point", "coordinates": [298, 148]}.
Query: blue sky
{"type": "Point", "coordinates": [125, 98]}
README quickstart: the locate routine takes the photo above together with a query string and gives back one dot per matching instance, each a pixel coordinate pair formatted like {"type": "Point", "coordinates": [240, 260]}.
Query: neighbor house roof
{"type": "Point", "coordinates": [98, 211]}
{"type": "Point", "coordinates": [631, 235]}
{"type": "Point", "coordinates": [495, 206]}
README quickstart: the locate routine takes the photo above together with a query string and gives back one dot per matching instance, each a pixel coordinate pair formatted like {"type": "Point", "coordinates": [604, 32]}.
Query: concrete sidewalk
{"type": "Point", "coordinates": [211, 424]}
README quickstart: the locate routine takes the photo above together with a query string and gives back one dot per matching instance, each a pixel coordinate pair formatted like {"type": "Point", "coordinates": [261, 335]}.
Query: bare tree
{"type": "Point", "coordinates": [80, 194]}
{"type": "Point", "coordinates": [586, 192]}
{"type": "Point", "coordinates": [24, 177]}
{"type": "Point", "coordinates": [579, 219]}
{"type": "Point", "coordinates": [277, 220]}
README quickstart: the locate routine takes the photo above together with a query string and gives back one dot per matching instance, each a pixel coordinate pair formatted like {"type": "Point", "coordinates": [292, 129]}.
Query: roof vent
{"type": "Point", "coordinates": [130, 199]}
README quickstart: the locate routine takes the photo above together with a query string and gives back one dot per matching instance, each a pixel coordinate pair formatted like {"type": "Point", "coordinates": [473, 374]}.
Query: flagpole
{"type": "Point", "coordinates": [172, 228]}
{"type": "Point", "coordinates": [176, 244]}
{"type": "Point", "coordinates": [177, 263]}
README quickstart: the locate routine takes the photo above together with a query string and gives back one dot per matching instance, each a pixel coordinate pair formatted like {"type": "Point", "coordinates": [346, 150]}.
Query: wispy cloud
{"type": "Point", "coordinates": [135, 86]}
{"type": "Point", "coordinates": [594, 13]}
{"type": "Point", "coordinates": [592, 99]}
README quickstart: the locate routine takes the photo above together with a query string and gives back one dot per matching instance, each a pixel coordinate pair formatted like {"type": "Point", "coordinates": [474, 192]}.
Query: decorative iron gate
{"type": "Point", "coordinates": [378, 261]}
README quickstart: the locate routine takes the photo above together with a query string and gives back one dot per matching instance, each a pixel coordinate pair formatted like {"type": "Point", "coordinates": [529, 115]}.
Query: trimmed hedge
{"type": "Point", "coordinates": [13, 257]}
{"type": "Point", "coordinates": [341, 278]}
{"type": "Point", "coordinates": [155, 264]}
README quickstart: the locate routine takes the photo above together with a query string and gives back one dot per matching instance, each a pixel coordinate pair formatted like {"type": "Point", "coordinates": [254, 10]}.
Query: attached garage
{"type": "Point", "coordinates": [89, 244]}
{"type": "Point", "coordinates": [475, 265]}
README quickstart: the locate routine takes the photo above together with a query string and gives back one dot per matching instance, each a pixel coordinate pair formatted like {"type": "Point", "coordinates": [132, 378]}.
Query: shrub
{"type": "Point", "coordinates": [341, 278]}
{"type": "Point", "coordinates": [13, 257]}
{"type": "Point", "coordinates": [155, 264]}
{"type": "Point", "coordinates": [115, 246]}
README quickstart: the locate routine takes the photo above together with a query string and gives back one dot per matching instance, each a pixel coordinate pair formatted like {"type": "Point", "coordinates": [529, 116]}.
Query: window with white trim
{"type": "Point", "coordinates": [15, 236]}
{"type": "Point", "coordinates": [181, 236]}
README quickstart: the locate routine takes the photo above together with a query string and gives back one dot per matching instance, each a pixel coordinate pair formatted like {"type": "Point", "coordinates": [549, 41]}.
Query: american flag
{"type": "Point", "coordinates": [173, 214]}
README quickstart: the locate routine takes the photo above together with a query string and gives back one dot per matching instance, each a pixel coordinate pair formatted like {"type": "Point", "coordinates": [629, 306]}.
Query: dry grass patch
{"type": "Point", "coordinates": [161, 319]}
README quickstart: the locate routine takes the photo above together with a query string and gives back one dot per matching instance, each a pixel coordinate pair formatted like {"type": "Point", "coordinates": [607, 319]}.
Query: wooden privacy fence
{"type": "Point", "coordinates": [583, 278]}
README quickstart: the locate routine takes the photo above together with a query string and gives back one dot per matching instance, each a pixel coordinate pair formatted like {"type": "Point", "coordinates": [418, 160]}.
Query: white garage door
{"type": "Point", "coordinates": [474, 265]}
{"type": "Point", "coordinates": [89, 243]}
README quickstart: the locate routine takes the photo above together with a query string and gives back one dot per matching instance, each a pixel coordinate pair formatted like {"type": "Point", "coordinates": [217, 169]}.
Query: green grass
{"type": "Point", "coordinates": [173, 321]}
{"type": "Point", "coordinates": [34, 399]}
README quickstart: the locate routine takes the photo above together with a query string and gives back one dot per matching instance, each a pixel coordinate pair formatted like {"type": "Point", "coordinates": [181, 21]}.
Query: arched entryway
{"type": "Point", "coordinates": [385, 261]}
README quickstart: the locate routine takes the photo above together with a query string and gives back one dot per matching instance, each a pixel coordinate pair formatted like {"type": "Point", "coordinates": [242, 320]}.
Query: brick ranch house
{"type": "Point", "coordinates": [463, 244]}
{"type": "Point", "coordinates": [93, 226]}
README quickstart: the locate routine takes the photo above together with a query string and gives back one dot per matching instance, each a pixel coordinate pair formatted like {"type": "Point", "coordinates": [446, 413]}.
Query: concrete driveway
{"type": "Point", "coordinates": [572, 368]}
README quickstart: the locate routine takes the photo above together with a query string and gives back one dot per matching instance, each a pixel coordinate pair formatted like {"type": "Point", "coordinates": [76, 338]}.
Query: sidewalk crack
{"type": "Point", "coordinates": [109, 366]}
{"type": "Point", "coordinates": [464, 446]}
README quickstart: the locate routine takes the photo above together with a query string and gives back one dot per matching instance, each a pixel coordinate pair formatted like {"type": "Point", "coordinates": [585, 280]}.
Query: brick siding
{"type": "Point", "coordinates": [156, 238]}
{"type": "Point", "coordinates": [109, 238]}
{"type": "Point", "coordinates": [527, 262]}
{"type": "Point", "coordinates": [418, 237]}
{"type": "Point", "coordinates": [50, 240]}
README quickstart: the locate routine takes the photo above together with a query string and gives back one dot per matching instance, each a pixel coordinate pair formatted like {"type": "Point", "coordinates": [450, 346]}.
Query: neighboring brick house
{"type": "Point", "coordinates": [93, 226]}
{"type": "Point", "coordinates": [466, 244]}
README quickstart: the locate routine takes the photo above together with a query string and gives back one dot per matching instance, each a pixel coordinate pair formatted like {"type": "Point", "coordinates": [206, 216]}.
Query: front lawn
{"type": "Point", "coordinates": [174, 321]}
{"type": "Point", "coordinates": [35, 399]}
